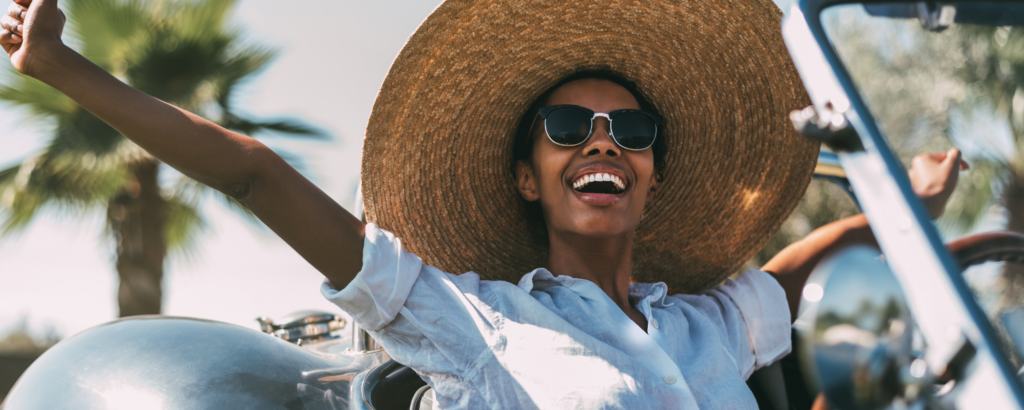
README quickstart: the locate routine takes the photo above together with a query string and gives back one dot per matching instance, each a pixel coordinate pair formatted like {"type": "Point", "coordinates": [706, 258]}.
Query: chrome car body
{"type": "Point", "coordinates": [162, 362]}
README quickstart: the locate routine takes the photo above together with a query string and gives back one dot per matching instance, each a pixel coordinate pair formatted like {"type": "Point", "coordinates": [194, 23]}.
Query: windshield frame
{"type": "Point", "coordinates": [910, 241]}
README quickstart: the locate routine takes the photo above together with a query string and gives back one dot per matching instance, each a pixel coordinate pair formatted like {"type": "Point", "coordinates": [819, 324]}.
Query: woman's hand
{"type": "Point", "coordinates": [30, 32]}
{"type": "Point", "coordinates": [933, 177]}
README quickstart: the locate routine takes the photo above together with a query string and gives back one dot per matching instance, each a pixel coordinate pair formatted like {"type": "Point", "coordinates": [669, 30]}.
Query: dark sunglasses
{"type": "Point", "coordinates": [572, 125]}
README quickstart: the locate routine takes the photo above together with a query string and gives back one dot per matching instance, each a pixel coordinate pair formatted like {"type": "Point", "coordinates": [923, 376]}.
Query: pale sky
{"type": "Point", "coordinates": [335, 54]}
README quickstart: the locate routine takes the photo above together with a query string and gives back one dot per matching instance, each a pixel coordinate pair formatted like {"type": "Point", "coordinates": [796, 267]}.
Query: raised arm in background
{"type": "Point", "coordinates": [311, 222]}
{"type": "Point", "coordinates": [933, 177]}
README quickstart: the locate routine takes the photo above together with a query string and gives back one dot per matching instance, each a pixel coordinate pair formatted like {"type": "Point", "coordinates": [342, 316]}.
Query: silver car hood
{"type": "Point", "coordinates": [164, 362]}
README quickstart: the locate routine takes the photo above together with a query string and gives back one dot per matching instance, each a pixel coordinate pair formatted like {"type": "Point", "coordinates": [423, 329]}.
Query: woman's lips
{"type": "Point", "coordinates": [598, 199]}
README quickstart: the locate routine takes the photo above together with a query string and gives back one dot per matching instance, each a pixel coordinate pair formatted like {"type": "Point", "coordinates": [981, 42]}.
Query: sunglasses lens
{"type": "Point", "coordinates": [634, 130]}
{"type": "Point", "coordinates": [568, 126]}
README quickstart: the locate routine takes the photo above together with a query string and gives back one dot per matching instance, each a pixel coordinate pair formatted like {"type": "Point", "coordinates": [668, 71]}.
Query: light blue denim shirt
{"type": "Point", "coordinates": [560, 342]}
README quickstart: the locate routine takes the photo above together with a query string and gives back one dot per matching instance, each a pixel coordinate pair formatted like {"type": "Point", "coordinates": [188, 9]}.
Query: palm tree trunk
{"type": "Point", "coordinates": [1013, 273]}
{"type": "Point", "coordinates": [137, 218]}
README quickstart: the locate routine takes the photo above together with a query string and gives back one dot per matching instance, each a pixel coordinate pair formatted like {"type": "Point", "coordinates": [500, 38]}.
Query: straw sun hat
{"type": "Point", "coordinates": [439, 145]}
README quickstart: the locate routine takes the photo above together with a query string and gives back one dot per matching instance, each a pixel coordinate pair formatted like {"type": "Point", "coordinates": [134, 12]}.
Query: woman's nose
{"type": "Point", "coordinates": [600, 141]}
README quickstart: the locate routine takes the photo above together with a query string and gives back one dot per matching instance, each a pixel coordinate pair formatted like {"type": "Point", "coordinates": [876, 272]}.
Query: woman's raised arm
{"type": "Point", "coordinates": [311, 222]}
{"type": "Point", "coordinates": [933, 177]}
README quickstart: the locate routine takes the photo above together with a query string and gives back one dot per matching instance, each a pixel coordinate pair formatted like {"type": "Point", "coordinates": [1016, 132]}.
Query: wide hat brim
{"type": "Point", "coordinates": [439, 144]}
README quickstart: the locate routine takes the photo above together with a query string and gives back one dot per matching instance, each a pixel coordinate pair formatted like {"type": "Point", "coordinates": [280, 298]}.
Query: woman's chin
{"type": "Point", "coordinates": [600, 226]}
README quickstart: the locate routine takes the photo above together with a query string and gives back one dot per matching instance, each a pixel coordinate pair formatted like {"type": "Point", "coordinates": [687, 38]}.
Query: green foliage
{"type": "Point", "coordinates": [71, 182]}
{"type": "Point", "coordinates": [927, 92]}
{"type": "Point", "coordinates": [184, 223]}
{"type": "Point", "coordinates": [41, 99]}
{"type": "Point", "coordinates": [823, 202]}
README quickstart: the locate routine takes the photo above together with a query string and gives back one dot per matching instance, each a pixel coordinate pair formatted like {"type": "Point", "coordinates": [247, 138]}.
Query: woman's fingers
{"type": "Point", "coordinates": [10, 24]}
{"type": "Point", "coordinates": [17, 11]}
{"type": "Point", "coordinates": [952, 160]}
{"type": "Point", "coordinates": [9, 41]}
{"type": "Point", "coordinates": [954, 154]}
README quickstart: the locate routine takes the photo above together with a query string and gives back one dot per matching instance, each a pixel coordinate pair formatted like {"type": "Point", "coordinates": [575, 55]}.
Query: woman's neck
{"type": "Point", "coordinates": [607, 262]}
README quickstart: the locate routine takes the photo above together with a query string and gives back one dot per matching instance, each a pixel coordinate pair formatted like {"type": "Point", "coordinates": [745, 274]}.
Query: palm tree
{"type": "Point", "coordinates": [183, 52]}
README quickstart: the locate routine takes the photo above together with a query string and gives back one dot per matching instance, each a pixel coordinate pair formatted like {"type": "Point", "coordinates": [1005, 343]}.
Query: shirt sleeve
{"type": "Point", "coordinates": [762, 304]}
{"type": "Point", "coordinates": [427, 319]}
{"type": "Point", "coordinates": [377, 293]}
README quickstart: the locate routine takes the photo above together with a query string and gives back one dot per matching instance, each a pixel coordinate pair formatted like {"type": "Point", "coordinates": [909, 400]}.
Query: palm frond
{"type": "Point", "coordinates": [291, 127]}
{"type": "Point", "coordinates": [185, 224]}
{"type": "Point", "coordinates": [72, 183]}
{"type": "Point", "coordinates": [106, 31]}
{"type": "Point", "coordinates": [190, 47]}
{"type": "Point", "coordinates": [199, 18]}
{"type": "Point", "coordinates": [245, 62]}
{"type": "Point", "coordinates": [40, 99]}
{"type": "Point", "coordinates": [83, 133]}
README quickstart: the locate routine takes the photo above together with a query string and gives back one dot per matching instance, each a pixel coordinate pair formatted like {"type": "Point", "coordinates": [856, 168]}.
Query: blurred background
{"type": "Point", "coordinates": [81, 243]}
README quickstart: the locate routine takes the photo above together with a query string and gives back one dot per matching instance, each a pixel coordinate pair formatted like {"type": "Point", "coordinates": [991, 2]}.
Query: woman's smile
{"type": "Point", "coordinates": [600, 184]}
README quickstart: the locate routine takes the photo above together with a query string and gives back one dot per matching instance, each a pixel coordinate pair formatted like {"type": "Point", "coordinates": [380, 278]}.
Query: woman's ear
{"type": "Point", "coordinates": [526, 182]}
{"type": "Point", "coordinates": [654, 187]}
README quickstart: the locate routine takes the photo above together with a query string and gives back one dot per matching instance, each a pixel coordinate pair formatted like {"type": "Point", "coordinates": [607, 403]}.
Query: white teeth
{"type": "Point", "coordinates": [599, 177]}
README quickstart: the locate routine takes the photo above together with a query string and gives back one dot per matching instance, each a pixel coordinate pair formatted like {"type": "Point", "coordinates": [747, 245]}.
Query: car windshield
{"type": "Point", "coordinates": [934, 76]}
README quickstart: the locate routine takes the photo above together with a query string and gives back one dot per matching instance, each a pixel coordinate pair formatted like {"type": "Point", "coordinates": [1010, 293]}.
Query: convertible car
{"type": "Point", "coordinates": [900, 328]}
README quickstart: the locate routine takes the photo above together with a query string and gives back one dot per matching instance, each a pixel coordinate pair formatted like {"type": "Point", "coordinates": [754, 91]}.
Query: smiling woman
{"type": "Point", "coordinates": [577, 95]}
{"type": "Point", "coordinates": [630, 204]}
{"type": "Point", "coordinates": [590, 228]}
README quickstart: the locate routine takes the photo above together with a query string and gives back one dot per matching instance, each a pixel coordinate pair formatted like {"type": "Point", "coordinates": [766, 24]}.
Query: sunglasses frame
{"type": "Point", "coordinates": [545, 111]}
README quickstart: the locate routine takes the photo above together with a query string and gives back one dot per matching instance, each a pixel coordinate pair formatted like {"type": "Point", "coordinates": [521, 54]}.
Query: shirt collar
{"type": "Point", "coordinates": [654, 292]}
{"type": "Point", "coordinates": [540, 279]}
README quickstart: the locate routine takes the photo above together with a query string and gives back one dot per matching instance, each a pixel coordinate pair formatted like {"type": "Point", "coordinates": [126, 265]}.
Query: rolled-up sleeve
{"type": "Point", "coordinates": [765, 311]}
{"type": "Point", "coordinates": [428, 319]}
{"type": "Point", "coordinates": [380, 289]}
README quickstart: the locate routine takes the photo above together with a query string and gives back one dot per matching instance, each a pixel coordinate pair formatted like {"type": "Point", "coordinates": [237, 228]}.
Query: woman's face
{"type": "Point", "coordinates": [556, 175]}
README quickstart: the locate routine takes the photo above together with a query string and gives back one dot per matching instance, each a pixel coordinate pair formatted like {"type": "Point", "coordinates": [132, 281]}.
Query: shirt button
{"type": "Point", "coordinates": [654, 322]}
{"type": "Point", "coordinates": [670, 379]}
